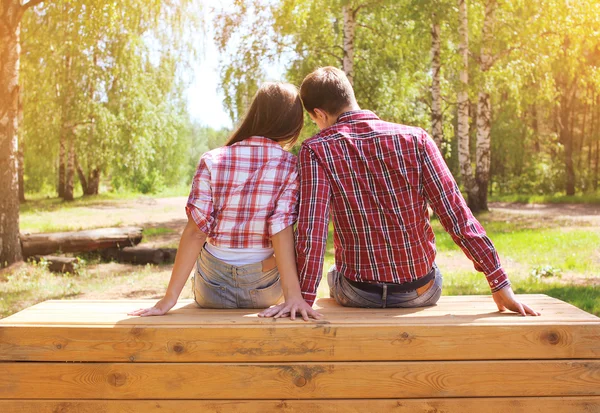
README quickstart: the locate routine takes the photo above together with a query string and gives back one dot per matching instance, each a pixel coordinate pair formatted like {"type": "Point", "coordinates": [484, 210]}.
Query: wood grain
{"type": "Point", "coordinates": [461, 405]}
{"type": "Point", "coordinates": [478, 310]}
{"type": "Point", "coordinates": [299, 342]}
{"type": "Point", "coordinates": [299, 380]}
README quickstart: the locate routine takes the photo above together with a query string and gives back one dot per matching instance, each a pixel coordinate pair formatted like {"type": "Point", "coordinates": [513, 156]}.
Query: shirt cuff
{"type": "Point", "coordinates": [309, 298]}
{"type": "Point", "coordinates": [282, 223]}
{"type": "Point", "coordinates": [199, 218]}
{"type": "Point", "coordinates": [497, 279]}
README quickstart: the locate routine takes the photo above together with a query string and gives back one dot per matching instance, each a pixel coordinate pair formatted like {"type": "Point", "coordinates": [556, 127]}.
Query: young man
{"type": "Point", "coordinates": [377, 180]}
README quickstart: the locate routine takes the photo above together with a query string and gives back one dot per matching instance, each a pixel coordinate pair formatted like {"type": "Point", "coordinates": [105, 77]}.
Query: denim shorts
{"type": "Point", "coordinates": [349, 296]}
{"type": "Point", "coordinates": [217, 284]}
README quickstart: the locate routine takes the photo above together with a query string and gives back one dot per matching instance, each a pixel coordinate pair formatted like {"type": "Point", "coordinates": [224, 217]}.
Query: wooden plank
{"type": "Point", "coordinates": [450, 311]}
{"type": "Point", "coordinates": [462, 405]}
{"type": "Point", "coordinates": [299, 342]}
{"type": "Point", "coordinates": [299, 381]}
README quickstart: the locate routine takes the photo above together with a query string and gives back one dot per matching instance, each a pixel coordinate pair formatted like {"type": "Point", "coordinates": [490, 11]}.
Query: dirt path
{"type": "Point", "coordinates": [556, 214]}
{"type": "Point", "coordinates": [167, 217]}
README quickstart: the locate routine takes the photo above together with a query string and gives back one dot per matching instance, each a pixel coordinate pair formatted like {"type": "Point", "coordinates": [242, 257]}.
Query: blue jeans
{"type": "Point", "coordinates": [350, 296]}
{"type": "Point", "coordinates": [217, 284]}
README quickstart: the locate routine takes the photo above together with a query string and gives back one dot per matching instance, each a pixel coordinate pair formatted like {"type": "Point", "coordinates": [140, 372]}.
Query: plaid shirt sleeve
{"type": "Point", "coordinates": [313, 221]}
{"type": "Point", "coordinates": [286, 206]}
{"type": "Point", "coordinates": [199, 205]}
{"type": "Point", "coordinates": [448, 203]}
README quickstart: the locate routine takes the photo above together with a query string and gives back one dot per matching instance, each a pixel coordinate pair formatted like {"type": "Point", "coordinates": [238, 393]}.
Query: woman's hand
{"type": "Point", "coordinates": [160, 308]}
{"type": "Point", "coordinates": [290, 308]}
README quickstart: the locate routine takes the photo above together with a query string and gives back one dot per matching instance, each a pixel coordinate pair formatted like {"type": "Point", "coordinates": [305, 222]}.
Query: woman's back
{"type": "Point", "coordinates": [244, 193]}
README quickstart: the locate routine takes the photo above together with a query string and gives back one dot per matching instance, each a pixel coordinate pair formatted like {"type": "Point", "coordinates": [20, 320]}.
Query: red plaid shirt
{"type": "Point", "coordinates": [377, 179]}
{"type": "Point", "coordinates": [244, 193]}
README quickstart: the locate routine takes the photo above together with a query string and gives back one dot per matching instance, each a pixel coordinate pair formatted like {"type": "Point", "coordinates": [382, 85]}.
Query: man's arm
{"type": "Point", "coordinates": [447, 202]}
{"type": "Point", "coordinates": [313, 222]}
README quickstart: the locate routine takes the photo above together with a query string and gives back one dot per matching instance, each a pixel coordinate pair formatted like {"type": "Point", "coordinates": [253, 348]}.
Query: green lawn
{"type": "Point", "coordinates": [526, 244]}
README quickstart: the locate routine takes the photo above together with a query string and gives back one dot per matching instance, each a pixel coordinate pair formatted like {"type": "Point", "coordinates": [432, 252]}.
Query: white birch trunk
{"type": "Point", "coordinates": [437, 131]}
{"type": "Point", "coordinates": [464, 156]}
{"type": "Point", "coordinates": [484, 111]}
{"type": "Point", "coordinates": [10, 49]}
{"type": "Point", "coordinates": [349, 31]}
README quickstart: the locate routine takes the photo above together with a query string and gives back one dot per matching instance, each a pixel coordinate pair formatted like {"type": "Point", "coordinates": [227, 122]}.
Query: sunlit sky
{"type": "Point", "coordinates": [205, 101]}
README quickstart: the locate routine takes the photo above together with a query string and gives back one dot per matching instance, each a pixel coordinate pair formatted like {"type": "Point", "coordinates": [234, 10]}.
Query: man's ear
{"type": "Point", "coordinates": [321, 115]}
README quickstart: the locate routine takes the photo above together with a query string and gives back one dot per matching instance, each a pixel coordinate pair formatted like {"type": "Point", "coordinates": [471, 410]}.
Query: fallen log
{"type": "Point", "coordinates": [59, 264]}
{"type": "Point", "coordinates": [140, 255]}
{"type": "Point", "coordinates": [80, 241]}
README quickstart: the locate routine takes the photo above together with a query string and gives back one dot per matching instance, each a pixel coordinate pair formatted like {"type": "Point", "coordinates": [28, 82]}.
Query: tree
{"type": "Point", "coordinates": [464, 150]}
{"type": "Point", "coordinates": [11, 14]}
{"type": "Point", "coordinates": [115, 76]}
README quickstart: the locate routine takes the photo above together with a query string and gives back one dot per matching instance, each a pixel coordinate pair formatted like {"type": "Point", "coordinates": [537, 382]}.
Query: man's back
{"type": "Point", "coordinates": [377, 179]}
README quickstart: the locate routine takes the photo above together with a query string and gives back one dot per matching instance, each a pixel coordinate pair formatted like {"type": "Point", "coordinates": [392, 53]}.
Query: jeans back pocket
{"type": "Point", "coordinates": [269, 292]}
{"type": "Point", "coordinates": [208, 294]}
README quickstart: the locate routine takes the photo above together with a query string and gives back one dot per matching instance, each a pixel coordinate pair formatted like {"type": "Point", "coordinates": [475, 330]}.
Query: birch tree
{"type": "Point", "coordinates": [484, 112]}
{"type": "Point", "coordinates": [11, 14]}
{"type": "Point", "coordinates": [464, 154]}
{"type": "Point", "coordinates": [437, 129]}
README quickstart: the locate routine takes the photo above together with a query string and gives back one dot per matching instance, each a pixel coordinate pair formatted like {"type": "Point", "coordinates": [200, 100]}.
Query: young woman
{"type": "Point", "coordinates": [241, 209]}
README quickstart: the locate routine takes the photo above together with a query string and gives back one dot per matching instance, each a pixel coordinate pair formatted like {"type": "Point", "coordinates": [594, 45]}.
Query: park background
{"type": "Point", "coordinates": [114, 102]}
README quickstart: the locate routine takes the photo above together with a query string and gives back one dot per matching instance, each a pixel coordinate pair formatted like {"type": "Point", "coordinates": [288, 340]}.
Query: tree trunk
{"type": "Point", "coordinates": [21, 154]}
{"type": "Point", "coordinates": [484, 113]}
{"type": "Point", "coordinates": [597, 159]}
{"type": "Point", "coordinates": [582, 140]}
{"type": "Point", "coordinates": [566, 139]}
{"type": "Point", "coordinates": [21, 160]}
{"type": "Point", "coordinates": [591, 139]}
{"type": "Point", "coordinates": [70, 172]}
{"type": "Point", "coordinates": [464, 155]}
{"type": "Point", "coordinates": [536, 128]}
{"type": "Point", "coordinates": [81, 175]}
{"type": "Point", "coordinates": [93, 182]}
{"type": "Point", "coordinates": [349, 31]}
{"type": "Point", "coordinates": [140, 255]}
{"type": "Point", "coordinates": [61, 165]}
{"type": "Point", "coordinates": [80, 241]}
{"type": "Point", "coordinates": [10, 48]}
{"type": "Point", "coordinates": [59, 264]}
{"type": "Point", "coordinates": [437, 131]}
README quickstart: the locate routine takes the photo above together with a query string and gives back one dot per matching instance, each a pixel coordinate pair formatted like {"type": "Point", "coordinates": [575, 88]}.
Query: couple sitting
{"type": "Point", "coordinates": [374, 178]}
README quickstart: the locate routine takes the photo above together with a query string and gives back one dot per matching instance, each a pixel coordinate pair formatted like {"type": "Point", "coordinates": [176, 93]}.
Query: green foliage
{"type": "Point", "coordinates": [543, 80]}
{"type": "Point", "coordinates": [544, 271]}
{"type": "Point", "coordinates": [110, 80]}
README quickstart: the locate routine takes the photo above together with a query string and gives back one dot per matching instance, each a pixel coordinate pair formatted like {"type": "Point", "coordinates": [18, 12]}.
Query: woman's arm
{"type": "Point", "coordinates": [285, 256]}
{"type": "Point", "coordinates": [190, 245]}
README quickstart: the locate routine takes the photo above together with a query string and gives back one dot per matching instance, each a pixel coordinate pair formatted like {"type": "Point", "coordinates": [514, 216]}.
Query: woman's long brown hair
{"type": "Point", "coordinates": [275, 113]}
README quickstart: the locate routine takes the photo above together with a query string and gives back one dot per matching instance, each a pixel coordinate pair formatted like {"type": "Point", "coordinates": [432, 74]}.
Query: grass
{"type": "Point", "coordinates": [29, 284]}
{"type": "Point", "coordinates": [524, 242]}
{"type": "Point", "coordinates": [150, 233]}
{"type": "Point", "coordinates": [586, 297]}
{"type": "Point", "coordinates": [573, 249]}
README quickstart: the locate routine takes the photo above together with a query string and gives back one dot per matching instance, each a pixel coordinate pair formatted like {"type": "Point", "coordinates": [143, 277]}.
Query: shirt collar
{"type": "Point", "coordinates": [353, 115]}
{"type": "Point", "coordinates": [257, 141]}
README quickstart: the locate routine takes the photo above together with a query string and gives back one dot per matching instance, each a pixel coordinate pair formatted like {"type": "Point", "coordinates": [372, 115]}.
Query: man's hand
{"type": "Point", "coordinates": [505, 300]}
{"type": "Point", "coordinates": [290, 308]}
{"type": "Point", "coordinates": [160, 308]}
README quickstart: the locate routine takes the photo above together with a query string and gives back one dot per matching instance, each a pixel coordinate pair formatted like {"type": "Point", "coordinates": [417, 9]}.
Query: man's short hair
{"type": "Point", "coordinates": [327, 88]}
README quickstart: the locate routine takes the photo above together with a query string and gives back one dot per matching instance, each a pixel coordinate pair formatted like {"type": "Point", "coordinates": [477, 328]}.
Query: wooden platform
{"type": "Point", "coordinates": [459, 356]}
